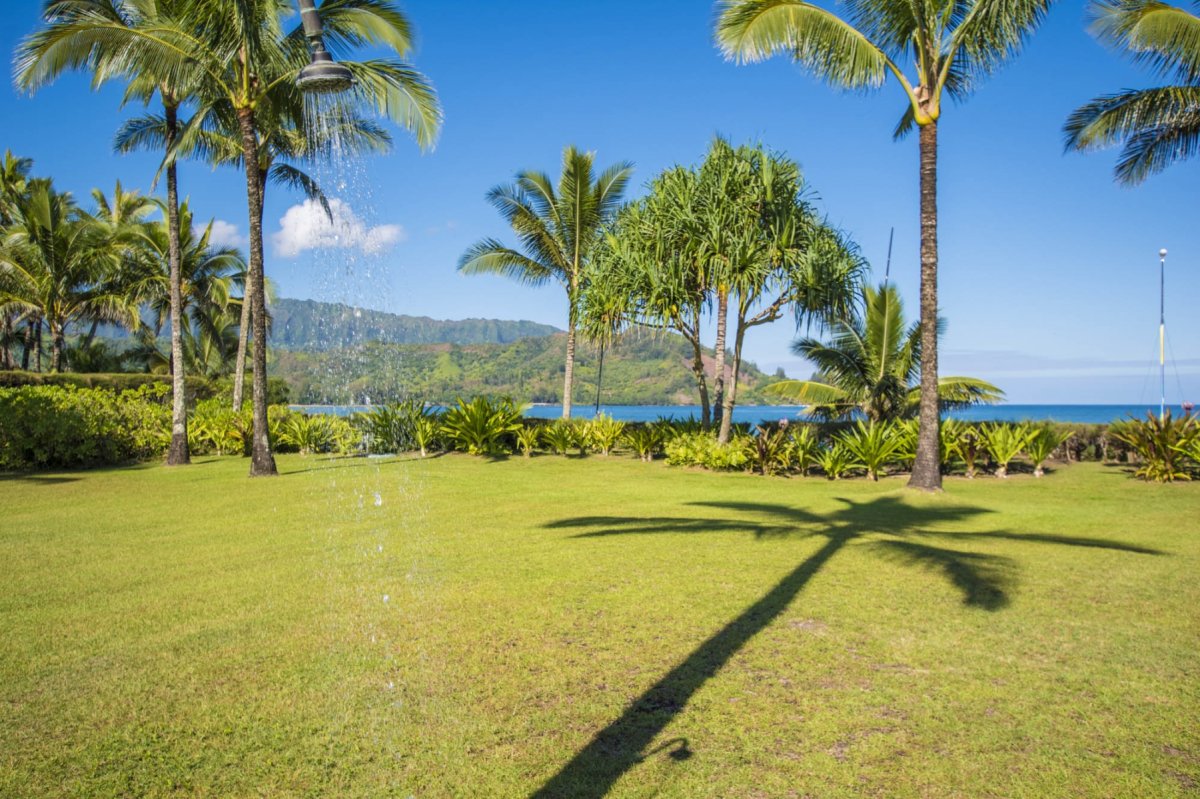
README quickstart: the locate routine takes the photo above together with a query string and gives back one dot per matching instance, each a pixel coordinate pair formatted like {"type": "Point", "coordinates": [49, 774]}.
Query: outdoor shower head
{"type": "Point", "coordinates": [323, 75]}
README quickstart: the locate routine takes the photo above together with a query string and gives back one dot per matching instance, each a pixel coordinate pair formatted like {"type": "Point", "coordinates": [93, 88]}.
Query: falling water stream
{"type": "Point", "coordinates": [376, 554]}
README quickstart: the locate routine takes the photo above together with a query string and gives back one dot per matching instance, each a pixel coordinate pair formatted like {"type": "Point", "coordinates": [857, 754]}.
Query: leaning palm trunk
{"type": "Point", "coordinates": [569, 369]}
{"type": "Point", "coordinates": [177, 454]}
{"type": "Point", "coordinates": [926, 473]}
{"type": "Point", "coordinates": [262, 463]}
{"type": "Point", "coordinates": [731, 389]}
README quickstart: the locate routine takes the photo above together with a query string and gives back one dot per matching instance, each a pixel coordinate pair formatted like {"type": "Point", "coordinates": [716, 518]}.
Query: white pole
{"type": "Point", "coordinates": [1162, 333]}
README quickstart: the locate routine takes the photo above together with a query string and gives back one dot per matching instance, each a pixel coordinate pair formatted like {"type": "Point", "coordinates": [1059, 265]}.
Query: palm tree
{"type": "Point", "coordinates": [949, 46]}
{"type": "Point", "coordinates": [1156, 127]}
{"type": "Point", "coordinates": [59, 268]}
{"type": "Point", "coordinates": [239, 55]}
{"type": "Point", "coordinates": [872, 365]}
{"type": "Point", "coordinates": [558, 230]}
{"type": "Point", "coordinates": [14, 175]}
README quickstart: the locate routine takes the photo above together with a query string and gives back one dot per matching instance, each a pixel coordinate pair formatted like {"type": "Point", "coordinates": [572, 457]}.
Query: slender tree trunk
{"type": "Point", "coordinates": [37, 345]}
{"type": "Point", "coordinates": [6, 335]}
{"type": "Point", "coordinates": [177, 454]}
{"type": "Point", "coordinates": [58, 342]}
{"type": "Point", "coordinates": [262, 462]}
{"type": "Point", "coordinates": [91, 334]}
{"type": "Point", "coordinates": [239, 368]}
{"type": "Point", "coordinates": [927, 473]}
{"type": "Point", "coordinates": [569, 379]}
{"type": "Point", "coordinates": [719, 353]}
{"type": "Point", "coordinates": [599, 378]}
{"type": "Point", "coordinates": [27, 346]}
{"type": "Point", "coordinates": [731, 389]}
{"type": "Point", "coordinates": [692, 334]}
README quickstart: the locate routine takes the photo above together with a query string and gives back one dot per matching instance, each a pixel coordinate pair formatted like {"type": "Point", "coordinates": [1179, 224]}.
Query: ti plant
{"type": "Point", "coordinates": [527, 440]}
{"type": "Point", "coordinates": [769, 451]}
{"type": "Point", "coordinates": [645, 440]}
{"type": "Point", "coordinates": [605, 432]}
{"type": "Point", "coordinates": [559, 436]}
{"type": "Point", "coordinates": [481, 426]}
{"type": "Point", "coordinates": [804, 447]}
{"type": "Point", "coordinates": [1162, 446]}
{"type": "Point", "coordinates": [836, 460]}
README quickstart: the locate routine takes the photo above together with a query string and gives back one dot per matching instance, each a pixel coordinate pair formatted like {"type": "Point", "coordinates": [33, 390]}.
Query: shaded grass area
{"type": "Point", "coordinates": [552, 627]}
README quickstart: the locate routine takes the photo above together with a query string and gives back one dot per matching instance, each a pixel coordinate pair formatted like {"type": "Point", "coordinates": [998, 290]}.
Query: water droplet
{"type": "Point", "coordinates": [379, 548]}
{"type": "Point", "coordinates": [391, 685]}
{"type": "Point", "coordinates": [386, 598]}
{"type": "Point", "coordinates": [378, 499]}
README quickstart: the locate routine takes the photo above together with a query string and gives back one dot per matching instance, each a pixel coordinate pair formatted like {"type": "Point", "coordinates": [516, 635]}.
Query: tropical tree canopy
{"type": "Point", "coordinates": [871, 364]}
{"type": "Point", "coordinates": [1154, 127]}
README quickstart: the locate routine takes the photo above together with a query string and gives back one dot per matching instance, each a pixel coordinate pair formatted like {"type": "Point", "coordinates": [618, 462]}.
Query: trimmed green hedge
{"type": "Point", "coordinates": [65, 426]}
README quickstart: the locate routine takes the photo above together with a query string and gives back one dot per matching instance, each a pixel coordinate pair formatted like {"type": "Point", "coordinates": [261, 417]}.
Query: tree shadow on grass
{"type": "Point", "coordinates": [36, 478]}
{"type": "Point", "coordinates": [887, 525]}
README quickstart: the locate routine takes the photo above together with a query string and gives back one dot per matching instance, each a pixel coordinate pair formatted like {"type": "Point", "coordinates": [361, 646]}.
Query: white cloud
{"type": "Point", "coordinates": [307, 227]}
{"type": "Point", "coordinates": [224, 234]}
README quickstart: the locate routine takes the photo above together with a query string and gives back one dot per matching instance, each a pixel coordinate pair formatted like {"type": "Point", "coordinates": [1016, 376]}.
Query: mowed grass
{"type": "Point", "coordinates": [582, 628]}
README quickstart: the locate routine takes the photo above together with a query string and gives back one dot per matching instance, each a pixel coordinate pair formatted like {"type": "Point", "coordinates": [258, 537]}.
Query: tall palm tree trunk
{"type": "Point", "coordinates": [701, 379]}
{"type": "Point", "coordinates": [27, 346]}
{"type": "Point", "coordinates": [927, 473]}
{"type": "Point", "coordinates": [719, 353]}
{"type": "Point", "coordinates": [569, 377]}
{"type": "Point", "coordinates": [262, 463]}
{"type": "Point", "coordinates": [239, 368]}
{"type": "Point", "coordinates": [599, 378]}
{"type": "Point", "coordinates": [177, 454]}
{"type": "Point", "coordinates": [6, 335]}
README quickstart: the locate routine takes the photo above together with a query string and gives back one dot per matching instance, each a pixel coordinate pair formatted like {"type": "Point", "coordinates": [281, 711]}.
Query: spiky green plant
{"type": "Point", "coordinates": [873, 445]}
{"type": "Point", "coordinates": [481, 426]}
{"type": "Point", "coordinates": [804, 446]}
{"type": "Point", "coordinates": [769, 450]}
{"type": "Point", "coordinates": [836, 460]}
{"type": "Point", "coordinates": [1042, 444]}
{"type": "Point", "coordinates": [559, 436]}
{"type": "Point", "coordinates": [1162, 445]}
{"type": "Point", "coordinates": [527, 439]}
{"type": "Point", "coordinates": [645, 440]}
{"type": "Point", "coordinates": [604, 432]}
{"type": "Point", "coordinates": [1004, 442]}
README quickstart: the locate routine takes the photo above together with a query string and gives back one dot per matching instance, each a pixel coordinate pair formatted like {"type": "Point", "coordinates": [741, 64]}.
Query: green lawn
{"type": "Point", "coordinates": [589, 628]}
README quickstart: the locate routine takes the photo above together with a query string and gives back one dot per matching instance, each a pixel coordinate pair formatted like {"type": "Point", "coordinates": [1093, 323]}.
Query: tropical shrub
{"type": "Point", "coordinates": [308, 434]}
{"type": "Point", "coordinates": [559, 436]}
{"type": "Point", "coordinates": [1163, 446]}
{"type": "Point", "coordinates": [481, 426]}
{"type": "Point", "coordinates": [769, 451]}
{"type": "Point", "coordinates": [215, 429]}
{"type": "Point", "coordinates": [703, 449]}
{"type": "Point", "coordinates": [836, 460]}
{"type": "Point", "coordinates": [527, 439]}
{"type": "Point", "coordinates": [605, 432]}
{"type": "Point", "coordinates": [804, 447]}
{"type": "Point", "coordinates": [1004, 442]}
{"type": "Point", "coordinates": [64, 426]}
{"type": "Point", "coordinates": [394, 427]}
{"type": "Point", "coordinates": [1042, 444]}
{"type": "Point", "coordinates": [646, 440]}
{"type": "Point", "coordinates": [873, 445]}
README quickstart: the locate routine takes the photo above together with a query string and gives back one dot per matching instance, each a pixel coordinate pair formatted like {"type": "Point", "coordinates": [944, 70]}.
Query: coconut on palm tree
{"type": "Point", "coordinates": [1155, 127]}
{"type": "Point", "coordinates": [871, 364]}
{"type": "Point", "coordinates": [558, 228]}
{"type": "Point", "coordinates": [933, 51]}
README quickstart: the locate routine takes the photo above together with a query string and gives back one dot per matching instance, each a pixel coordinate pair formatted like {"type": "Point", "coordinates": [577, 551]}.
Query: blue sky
{"type": "Point", "coordinates": [1048, 269]}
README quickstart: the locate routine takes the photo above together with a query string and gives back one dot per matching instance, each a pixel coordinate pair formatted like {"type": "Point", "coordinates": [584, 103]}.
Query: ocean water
{"type": "Point", "coordinates": [756, 414]}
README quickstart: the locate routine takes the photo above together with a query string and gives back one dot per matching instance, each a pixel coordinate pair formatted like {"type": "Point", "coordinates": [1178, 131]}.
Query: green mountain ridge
{"type": "Point", "coordinates": [313, 326]}
{"type": "Point", "coordinates": [642, 369]}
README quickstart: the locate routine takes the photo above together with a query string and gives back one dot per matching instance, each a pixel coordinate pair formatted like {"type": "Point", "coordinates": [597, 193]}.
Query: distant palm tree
{"type": "Point", "coordinates": [14, 175]}
{"type": "Point", "coordinates": [872, 364]}
{"type": "Point", "coordinates": [949, 46]}
{"type": "Point", "coordinates": [1155, 127]}
{"type": "Point", "coordinates": [558, 230]}
{"type": "Point", "coordinates": [58, 266]}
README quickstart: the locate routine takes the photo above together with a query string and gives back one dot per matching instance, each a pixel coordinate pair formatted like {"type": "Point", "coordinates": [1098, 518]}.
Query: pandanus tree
{"type": "Point", "coordinates": [1155, 127]}
{"type": "Point", "coordinates": [558, 228]}
{"type": "Point", "coordinates": [871, 364]}
{"type": "Point", "coordinates": [240, 55]}
{"type": "Point", "coordinates": [734, 235]}
{"type": "Point", "coordinates": [934, 50]}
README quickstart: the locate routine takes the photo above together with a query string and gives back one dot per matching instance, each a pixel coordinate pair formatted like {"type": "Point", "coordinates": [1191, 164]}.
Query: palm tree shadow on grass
{"type": "Point", "coordinates": [887, 525]}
